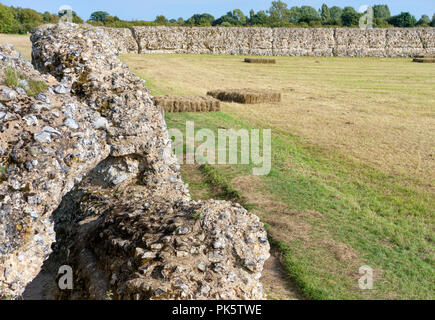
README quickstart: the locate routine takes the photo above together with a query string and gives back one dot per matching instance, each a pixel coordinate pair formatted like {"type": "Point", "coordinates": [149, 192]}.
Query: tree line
{"type": "Point", "coordinates": [19, 20]}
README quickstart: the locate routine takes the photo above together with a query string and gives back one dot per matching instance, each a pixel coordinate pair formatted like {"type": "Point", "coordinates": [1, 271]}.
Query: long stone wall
{"type": "Point", "coordinates": [341, 42]}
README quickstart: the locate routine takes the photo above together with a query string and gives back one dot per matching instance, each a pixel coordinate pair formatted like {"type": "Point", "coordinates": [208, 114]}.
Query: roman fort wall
{"type": "Point", "coordinates": [322, 42]}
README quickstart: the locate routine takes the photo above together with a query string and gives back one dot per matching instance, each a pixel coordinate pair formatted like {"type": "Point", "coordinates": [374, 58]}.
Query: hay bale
{"type": "Point", "coordinates": [424, 59]}
{"type": "Point", "coordinates": [260, 60]}
{"type": "Point", "coordinates": [187, 104]}
{"type": "Point", "coordinates": [246, 96]}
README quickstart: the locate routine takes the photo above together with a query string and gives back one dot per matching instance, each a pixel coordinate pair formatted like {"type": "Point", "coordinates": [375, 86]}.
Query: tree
{"type": "Point", "coordinates": [25, 20]}
{"type": "Point", "coordinates": [75, 17]}
{"type": "Point", "coordinates": [350, 17]}
{"type": "Point", "coordinates": [180, 21]}
{"type": "Point", "coordinates": [203, 22]}
{"type": "Point", "coordinates": [403, 20]}
{"type": "Point", "coordinates": [381, 11]}
{"type": "Point", "coordinates": [99, 16]}
{"type": "Point", "coordinates": [47, 17]}
{"type": "Point", "coordinates": [239, 16]}
{"type": "Point", "coordinates": [336, 13]}
{"type": "Point", "coordinates": [232, 17]}
{"type": "Point", "coordinates": [325, 14]}
{"type": "Point", "coordinates": [380, 23]}
{"type": "Point", "coordinates": [6, 19]}
{"type": "Point", "coordinates": [189, 22]}
{"type": "Point", "coordinates": [309, 14]}
{"type": "Point", "coordinates": [161, 20]}
{"type": "Point", "coordinates": [257, 19]}
{"type": "Point", "coordinates": [278, 14]}
{"type": "Point", "coordinates": [204, 19]}
{"type": "Point", "coordinates": [433, 21]}
{"type": "Point", "coordinates": [295, 15]}
{"type": "Point", "coordinates": [424, 21]}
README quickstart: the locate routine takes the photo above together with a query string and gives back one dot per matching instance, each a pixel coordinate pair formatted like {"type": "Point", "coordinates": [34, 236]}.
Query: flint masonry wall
{"type": "Point", "coordinates": [341, 42]}
{"type": "Point", "coordinates": [89, 160]}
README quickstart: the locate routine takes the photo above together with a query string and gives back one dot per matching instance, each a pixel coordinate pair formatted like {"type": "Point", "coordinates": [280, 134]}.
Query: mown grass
{"type": "Point", "coordinates": [343, 190]}
{"type": "Point", "coordinates": [389, 226]}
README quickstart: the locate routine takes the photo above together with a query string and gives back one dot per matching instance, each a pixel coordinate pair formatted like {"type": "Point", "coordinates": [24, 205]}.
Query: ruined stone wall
{"type": "Point", "coordinates": [88, 160]}
{"type": "Point", "coordinates": [322, 42]}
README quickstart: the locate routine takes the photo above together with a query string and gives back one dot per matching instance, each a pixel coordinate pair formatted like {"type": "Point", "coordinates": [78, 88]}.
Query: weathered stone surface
{"type": "Point", "coordinates": [360, 43]}
{"type": "Point", "coordinates": [394, 42]}
{"type": "Point", "coordinates": [130, 226]}
{"type": "Point", "coordinates": [123, 39]}
{"type": "Point", "coordinates": [40, 160]}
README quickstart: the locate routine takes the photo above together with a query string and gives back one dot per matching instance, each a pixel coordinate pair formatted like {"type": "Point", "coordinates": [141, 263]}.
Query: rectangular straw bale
{"type": "Point", "coordinates": [246, 96]}
{"type": "Point", "coordinates": [187, 104]}
{"type": "Point", "coordinates": [260, 60]}
{"type": "Point", "coordinates": [424, 60]}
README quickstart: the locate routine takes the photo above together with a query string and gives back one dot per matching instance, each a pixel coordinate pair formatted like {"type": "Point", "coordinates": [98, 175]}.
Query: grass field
{"type": "Point", "coordinates": [353, 164]}
{"type": "Point", "coordinates": [352, 179]}
{"type": "Point", "coordinates": [21, 42]}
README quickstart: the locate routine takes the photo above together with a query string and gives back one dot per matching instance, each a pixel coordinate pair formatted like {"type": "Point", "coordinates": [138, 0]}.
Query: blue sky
{"type": "Point", "coordinates": [148, 10]}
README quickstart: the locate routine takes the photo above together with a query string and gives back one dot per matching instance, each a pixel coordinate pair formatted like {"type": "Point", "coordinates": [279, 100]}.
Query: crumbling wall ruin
{"type": "Point", "coordinates": [103, 172]}
{"type": "Point", "coordinates": [324, 42]}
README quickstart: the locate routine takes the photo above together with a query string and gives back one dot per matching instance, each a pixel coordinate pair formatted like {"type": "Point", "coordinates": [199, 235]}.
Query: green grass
{"type": "Point", "coordinates": [12, 79]}
{"type": "Point", "coordinates": [385, 218]}
{"type": "Point", "coordinates": [388, 224]}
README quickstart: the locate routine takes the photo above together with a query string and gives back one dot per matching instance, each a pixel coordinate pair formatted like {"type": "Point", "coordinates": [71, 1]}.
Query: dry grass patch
{"type": "Point", "coordinates": [246, 96]}
{"type": "Point", "coordinates": [188, 104]}
{"type": "Point", "coordinates": [377, 111]}
{"type": "Point", "coordinates": [21, 43]}
{"type": "Point", "coordinates": [353, 142]}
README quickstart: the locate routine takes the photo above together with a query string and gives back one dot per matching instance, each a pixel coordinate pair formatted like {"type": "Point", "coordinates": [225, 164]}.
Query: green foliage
{"type": "Point", "coordinates": [6, 19]}
{"type": "Point", "coordinates": [257, 19]}
{"type": "Point", "coordinates": [279, 14]}
{"type": "Point", "coordinates": [424, 21]}
{"type": "Point", "coordinates": [380, 23]}
{"type": "Point", "coordinates": [234, 18]}
{"type": "Point", "coordinates": [309, 14]}
{"type": "Point", "coordinates": [204, 19]}
{"type": "Point", "coordinates": [47, 17]}
{"type": "Point", "coordinates": [180, 21]}
{"type": "Point", "coordinates": [239, 16]}
{"type": "Point", "coordinates": [35, 87]}
{"type": "Point", "coordinates": [381, 11]}
{"type": "Point", "coordinates": [336, 14]}
{"type": "Point", "coordinates": [12, 79]}
{"type": "Point", "coordinates": [75, 17]}
{"type": "Point", "coordinates": [350, 18]}
{"type": "Point", "coordinates": [325, 14]}
{"type": "Point", "coordinates": [295, 14]}
{"type": "Point", "coordinates": [99, 16]}
{"type": "Point", "coordinates": [403, 20]}
{"type": "Point", "coordinates": [19, 20]}
{"type": "Point", "coordinates": [161, 20]}
{"type": "Point", "coordinates": [28, 19]}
